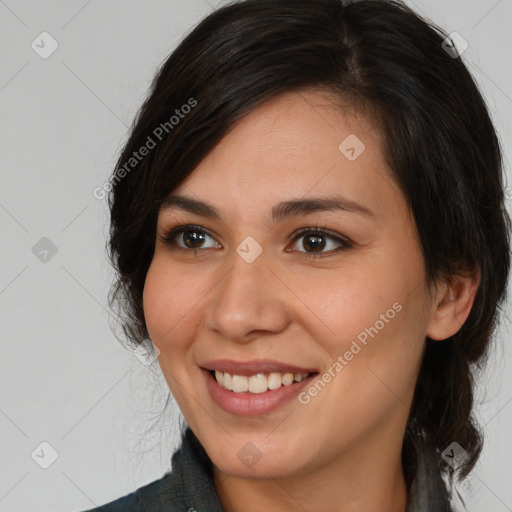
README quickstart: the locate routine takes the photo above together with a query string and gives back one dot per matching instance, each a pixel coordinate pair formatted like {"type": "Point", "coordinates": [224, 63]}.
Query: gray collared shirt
{"type": "Point", "coordinates": [189, 486]}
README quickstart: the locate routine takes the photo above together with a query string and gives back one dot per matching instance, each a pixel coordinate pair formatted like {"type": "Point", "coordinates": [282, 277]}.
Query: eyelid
{"type": "Point", "coordinates": [345, 243]}
{"type": "Point", "coordinates": [169, 234]}
{"type": "Point", "coordinates": [321, 231]}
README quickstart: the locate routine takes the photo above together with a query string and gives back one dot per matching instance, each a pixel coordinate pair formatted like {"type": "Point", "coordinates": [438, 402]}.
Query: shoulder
{"type": "Point", "coordinates": [151, 496]}
{"type": "Point", "coordinates": [188, 486]}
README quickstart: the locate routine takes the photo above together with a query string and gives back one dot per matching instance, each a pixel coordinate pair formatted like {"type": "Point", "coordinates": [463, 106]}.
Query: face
{"type": "Point", "coordinates": [305, 264]}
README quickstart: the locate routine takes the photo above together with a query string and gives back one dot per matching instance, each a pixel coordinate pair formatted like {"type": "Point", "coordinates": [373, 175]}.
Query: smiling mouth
{"type": "Point", "coordinates": [259, 382]}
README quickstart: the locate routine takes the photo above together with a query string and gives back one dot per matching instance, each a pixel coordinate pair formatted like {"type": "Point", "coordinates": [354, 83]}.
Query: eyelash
{"type": "Point", "coordinates": [169, 236]}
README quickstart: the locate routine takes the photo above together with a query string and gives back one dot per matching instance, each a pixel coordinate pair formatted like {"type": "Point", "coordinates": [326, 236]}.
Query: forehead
{"type": "Point", "coordinates": [294, 145]}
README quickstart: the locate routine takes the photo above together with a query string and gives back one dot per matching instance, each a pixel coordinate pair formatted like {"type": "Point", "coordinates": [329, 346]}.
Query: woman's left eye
{"type": "Point", "coordinates": [315, 241]}
{"type": "Point", "coordinates": [318, 239]}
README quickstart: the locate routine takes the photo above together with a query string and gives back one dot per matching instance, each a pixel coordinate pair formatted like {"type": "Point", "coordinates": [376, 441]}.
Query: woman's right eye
{"type": "Point", "coordinates": [189, 237]}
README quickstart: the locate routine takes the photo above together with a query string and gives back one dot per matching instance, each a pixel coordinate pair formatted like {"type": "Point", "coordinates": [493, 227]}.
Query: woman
{"type": "Point", "coordinates": [308, 223]}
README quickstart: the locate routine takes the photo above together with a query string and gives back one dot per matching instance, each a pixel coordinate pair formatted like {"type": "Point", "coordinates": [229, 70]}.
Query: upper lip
{"type": "Point", "coordinates": [253, 367]}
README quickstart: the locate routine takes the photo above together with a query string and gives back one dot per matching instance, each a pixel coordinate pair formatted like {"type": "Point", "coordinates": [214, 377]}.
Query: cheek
{"type": "Point", "coordinates": [168, 300]}
{"type": "Point", "coordinates": [355, 305]}
{"type": "Point", "coordinates": [372, 359]}
{"type": "Point", "coordinates": [372, 318]}
{"type": "Point", "coordinates": [155, 299]}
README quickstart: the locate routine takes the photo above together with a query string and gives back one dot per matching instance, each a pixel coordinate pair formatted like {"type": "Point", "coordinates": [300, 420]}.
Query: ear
{"type": "Point", "coordinates": [452, 305]}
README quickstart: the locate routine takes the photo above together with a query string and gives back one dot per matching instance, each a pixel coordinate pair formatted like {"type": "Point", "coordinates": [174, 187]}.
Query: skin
{"type": "Point", "coordinates": [341, 451]}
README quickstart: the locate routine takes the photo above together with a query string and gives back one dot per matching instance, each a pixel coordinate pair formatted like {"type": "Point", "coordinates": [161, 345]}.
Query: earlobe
{"type": "Point", "coordinates": [452, 307]}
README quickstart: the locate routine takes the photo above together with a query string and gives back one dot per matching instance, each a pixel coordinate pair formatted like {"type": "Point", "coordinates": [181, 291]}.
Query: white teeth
{"type": "Point", "coordinates": [259, 383]}
{"type": "Point", "coordinates": [240, 383]}
{"type": "Point", "coordinates": [274, 381]}
{"type": "Point", "coordinates": [227, 381]}
{"type": "Point", "coordinates": [287, 379]}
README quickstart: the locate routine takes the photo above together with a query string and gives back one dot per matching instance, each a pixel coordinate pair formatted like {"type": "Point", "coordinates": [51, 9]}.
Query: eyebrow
{"type": "Point", "coordinates": [281, 211]}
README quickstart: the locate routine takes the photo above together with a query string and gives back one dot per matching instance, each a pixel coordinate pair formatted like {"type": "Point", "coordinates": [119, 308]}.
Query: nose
{"type": "Point", "coordinates": [248, 302]}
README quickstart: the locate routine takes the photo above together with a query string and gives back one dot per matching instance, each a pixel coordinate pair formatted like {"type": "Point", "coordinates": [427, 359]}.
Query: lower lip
{"type": "Point", "coordinates": [252, 404]}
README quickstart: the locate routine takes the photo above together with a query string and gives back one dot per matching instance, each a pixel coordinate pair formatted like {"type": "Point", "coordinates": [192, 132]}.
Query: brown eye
{"type": "Point", "coordinates": [318, 241]}
{"type": "Point", "coordinates": [193, 239]}
{"type": "Point", "coordinates": [188, 237]}
{"type": "Point", "coordinates": [315, 242]}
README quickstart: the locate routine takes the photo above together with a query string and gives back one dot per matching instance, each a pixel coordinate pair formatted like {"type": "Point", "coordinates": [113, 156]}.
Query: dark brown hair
{"type": "Point", "coordinates": [440, 144]}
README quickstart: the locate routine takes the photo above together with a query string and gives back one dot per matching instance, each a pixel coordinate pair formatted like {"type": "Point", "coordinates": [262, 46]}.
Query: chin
{"type": "Point", "coordinates": [250, 462]}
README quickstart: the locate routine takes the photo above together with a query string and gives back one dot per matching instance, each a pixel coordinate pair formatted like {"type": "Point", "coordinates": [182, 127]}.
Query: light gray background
{"type": "Point", "coordinates": [64, 378]}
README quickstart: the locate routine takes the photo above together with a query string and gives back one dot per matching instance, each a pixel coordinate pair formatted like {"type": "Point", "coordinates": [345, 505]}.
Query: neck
{"type": "Point", "coordinates": [368, 479]}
